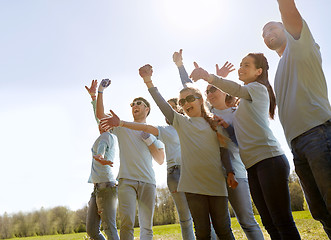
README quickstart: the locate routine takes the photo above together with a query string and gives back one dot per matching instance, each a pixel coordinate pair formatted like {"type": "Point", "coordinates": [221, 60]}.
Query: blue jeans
{"type": "Point", "coordinates": [185, 219]}
{"type": "Point", "coordinates": [102, 208]}
{"type": "Point", "coordinates": [241, 203]}
{"type": "Point", "coordinates": [130, 191]}
{"type": "Point", "coordinates": [205, 207]}
{"type": "Point", "coordinates": [312, 159]}
{"type": "Point", "coordinates": [268, 182]}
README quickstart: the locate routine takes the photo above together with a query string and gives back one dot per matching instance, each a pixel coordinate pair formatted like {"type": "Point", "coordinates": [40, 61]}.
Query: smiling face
{"type": "Point", "coordinates": [274, 36]}
{"type": "Point", "coordinates": [248, 71]}
{"type": "Point", "coordinates": [216, 97]}
{"type": "Point", "coordinates": [139, 110]}
{"type": "Point", "coordinates": [191, 108]}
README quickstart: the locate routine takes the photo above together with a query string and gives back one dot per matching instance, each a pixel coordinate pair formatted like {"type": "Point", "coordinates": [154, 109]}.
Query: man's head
{"type": "Point", "coordinates": [140, 109]}
{"type": "Point", "coordinates": [274, 37]}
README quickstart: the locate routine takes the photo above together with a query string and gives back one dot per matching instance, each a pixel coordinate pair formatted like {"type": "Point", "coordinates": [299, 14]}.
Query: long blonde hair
{"type": "Point", "coordinates": [223, 140]}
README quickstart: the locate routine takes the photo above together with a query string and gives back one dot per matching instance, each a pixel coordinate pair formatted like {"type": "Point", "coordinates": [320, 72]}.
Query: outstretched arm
{"type": "Point", "coordinates": [177, 57]}
{"type": "Point", "coordinates": [92, 91]}
{"type": "Point", "coordinates": [146, 73]}
{"type": "Point", "coordinates": [227, 86]}
{"type": "Point", "coordinates": [291, 17]}
{"type": "Point", "coordinates": [100, 108]}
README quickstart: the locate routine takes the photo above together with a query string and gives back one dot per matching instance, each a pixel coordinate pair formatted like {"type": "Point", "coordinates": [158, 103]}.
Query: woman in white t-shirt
{"type": "Point", "coordinates": [267, 166]}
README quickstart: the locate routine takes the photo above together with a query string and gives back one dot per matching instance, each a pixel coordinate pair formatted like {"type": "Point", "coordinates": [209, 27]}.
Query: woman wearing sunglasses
{"type": "Point", "coordinates": [222, 105]}
{"type": "Point", "coordinates": [168, 135]}
{"type": "Point", "coordinates": [202, 178]}
{"type": "Point", "coordinates": [267, 166]}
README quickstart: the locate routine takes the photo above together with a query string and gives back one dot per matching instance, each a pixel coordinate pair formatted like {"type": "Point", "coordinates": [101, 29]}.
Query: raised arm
{"type": "Point", "coordinates": [146, 73]}
{"type": "Point", "coordinates": [177, 57]}
{"type": "Point", "coordinates": [227, 86]}
{"type": "Point", "coordinates": [100, 108]}
{"type": "Point", "coordinates": [92, 91]}
{"type": "Point", "coordinates": [291, 17]}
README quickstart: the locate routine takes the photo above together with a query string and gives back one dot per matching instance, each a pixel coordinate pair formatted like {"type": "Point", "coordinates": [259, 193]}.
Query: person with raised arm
{"type": "Point", "coordinates": [103, 202]}
{"type": "Point", "coordinates": [168, 135]}
{"type": "Point", "coordinates": [203, 152]}
{"type": "Point", "coordinates": [136, 175]}
{"type": "Point", "coordinates": [222, 105]}
{"type": "Point", "coordinates": [266, 164]}
{"type": "Point", "coordinates": [303, 106]}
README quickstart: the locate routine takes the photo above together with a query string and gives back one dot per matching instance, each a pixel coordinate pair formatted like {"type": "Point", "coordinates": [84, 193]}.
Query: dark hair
{"type": "Point", "coordinates": [145, 101]}
{"type": "Point", "coordinates": [206, 115]}
{"type": "Point", "coordinates": [261, 62]}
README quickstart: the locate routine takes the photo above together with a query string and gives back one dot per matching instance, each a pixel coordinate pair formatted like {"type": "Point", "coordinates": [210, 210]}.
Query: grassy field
{"type": "Point", "coordinates": [309, 230]}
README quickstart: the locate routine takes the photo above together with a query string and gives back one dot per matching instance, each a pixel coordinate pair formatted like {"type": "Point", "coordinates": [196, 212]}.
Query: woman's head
{"type": "Point", "coordinates": [191, 101]}
{"type": "Point", "coordinates": [219, 99]}
{"type": "Point", "coordinates": [257, 65]}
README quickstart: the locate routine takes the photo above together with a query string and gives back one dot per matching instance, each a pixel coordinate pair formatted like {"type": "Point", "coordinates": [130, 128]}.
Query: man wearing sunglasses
{"type": "Point", "coordinates": [136, 175]}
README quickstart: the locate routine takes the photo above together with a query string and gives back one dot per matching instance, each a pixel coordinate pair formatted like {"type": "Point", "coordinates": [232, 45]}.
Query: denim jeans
{"type": "Point", "coordinates": [128, 192]}
{"type": "Point", "coordinates": [268, 182]}
{"type": "Point", "coordinates": [205, 207]}
{"type": "Point", "coordinates": [240, 200]}
{"type": "Point", "coordinates": [102, 208]}
{"type": "Point", "coordinates": [312, 159]}
{"type": "Point", "coordinates": [185, 219]}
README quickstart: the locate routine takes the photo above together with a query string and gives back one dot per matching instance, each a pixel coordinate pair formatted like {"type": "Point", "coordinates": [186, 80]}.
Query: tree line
{"type": "Point", "coordinates": [62, 220]}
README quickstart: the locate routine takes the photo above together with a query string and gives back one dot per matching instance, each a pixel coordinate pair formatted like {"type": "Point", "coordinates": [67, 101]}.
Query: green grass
{"type": "Point", "coordinates": [309, 230]}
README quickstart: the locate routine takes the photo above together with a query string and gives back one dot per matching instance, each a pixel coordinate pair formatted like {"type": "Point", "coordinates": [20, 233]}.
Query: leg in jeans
{"type": "Point", "coordinates": [199, 207]}
{"type": "Point", "coordinates": [146, 204]}
{"type": "Point", "coordinates": [106, 200]}
{"type": "Point", "coordinates": [272, 182]}
{"type": "Point", "coordinates": [127, 207]}
{"type": "Point", "coordinates": [240, 200]}
{"type": "Point", "coordinates": [219, 213]}
{"type": "Point", "coordinates": [312, 160]}
{"type": "Point", "coordinates": [185, 219]}
{"type": "Point", "coordinates": [93, 220]}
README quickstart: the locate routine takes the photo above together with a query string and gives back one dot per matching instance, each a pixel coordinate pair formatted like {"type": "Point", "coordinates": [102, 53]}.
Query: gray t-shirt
{"type": "Point", "coordinates": [104, 145]}
{"type": "Point", "coordinates": [168, 135]}
{"type": "Point", "coordinates": [201, 170]}
{"type": "Point", "coordinates": [237, 164]}
{"type": "Point", "coordinates": [135, 157]}
{"type": "Point", "coordinates": [300, 86]}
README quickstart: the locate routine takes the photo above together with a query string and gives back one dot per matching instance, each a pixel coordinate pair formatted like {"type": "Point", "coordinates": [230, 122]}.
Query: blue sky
{"type": "Point", "coordinates": [51, 49]}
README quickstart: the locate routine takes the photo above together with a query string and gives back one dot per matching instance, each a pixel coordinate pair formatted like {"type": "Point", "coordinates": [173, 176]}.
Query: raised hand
{"type": "Point", "coordinates": [103, 85]}
{"type": "Point", "coordinates": [177, 57]}
{"type": "Point", "coordinates": [101, 160]}
{"type": "Point", "coordinates": [146, 72]}
{"type": "Point", "coordinates": [110, 122]}
{"type": "Point", "coordinates": [93, 88]}
{"type": "Point", "coordinates": [225, 70]}
{"type": "Point", "coordinates": [199, 73]}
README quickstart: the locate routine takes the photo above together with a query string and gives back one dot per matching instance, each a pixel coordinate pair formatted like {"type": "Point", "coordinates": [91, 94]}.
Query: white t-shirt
{"type": "Point", "coordinates": [135, 157]}
{"type": "Point", "coordinates": [168, 135]}
{"type": "Point", "coordinates": [300, 86]}
{"type": "Point", "coordinates": [201, 169]}
{"type": "Point", "coordinates": [251, 124]}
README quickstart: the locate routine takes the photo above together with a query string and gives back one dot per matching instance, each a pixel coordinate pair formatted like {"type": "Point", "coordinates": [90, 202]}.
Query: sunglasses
{"type": "Point", "coordinates": [211, 90]}
{"type": "Point", "coordinates": [189, 98]}
{"type": "Point", "coordinates": [137, 103]}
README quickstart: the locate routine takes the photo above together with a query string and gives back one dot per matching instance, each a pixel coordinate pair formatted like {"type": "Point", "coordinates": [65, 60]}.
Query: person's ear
{"type": "Point", "coordinates": [259, 71]}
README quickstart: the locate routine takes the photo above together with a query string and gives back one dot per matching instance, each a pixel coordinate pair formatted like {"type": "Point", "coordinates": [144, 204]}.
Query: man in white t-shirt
{"type": "Point", "coordinates": [136, 175]}
{"type": "Point", "coordinates": [304, 108]}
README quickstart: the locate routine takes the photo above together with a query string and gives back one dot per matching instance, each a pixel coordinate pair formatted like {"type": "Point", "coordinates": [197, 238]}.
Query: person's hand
{"type": "Point", "coordinates": [199, 73]}
{"type": "Point", "coordinates": [177, 57]}
{"type": "Point", "coordinates": [221, 121]}
{"type": "Point", "coordinates": [103, 85]}
{"type": "Point", "coordinates": [99, 158]}
{"type": "Point", "coordinates": [225, 70]}
{"type": "Point", "coordinates": [93, 88]}
{"type": "Point", "coordinates": [231, 180]}
{"type": "Point", "coordinates": [146, 72]}
{"type": "Point", "coordinates": [110, 122]}
{"type": "Point", "coordinates": [147, 138]}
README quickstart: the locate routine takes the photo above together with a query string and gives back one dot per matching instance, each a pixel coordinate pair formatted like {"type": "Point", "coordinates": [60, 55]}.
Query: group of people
{"type": "Point", "coordinates": [221, 149]}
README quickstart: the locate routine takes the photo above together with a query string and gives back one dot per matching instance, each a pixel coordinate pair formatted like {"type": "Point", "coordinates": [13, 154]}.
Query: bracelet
{"type": "Point", "coordinates": [100, 92]}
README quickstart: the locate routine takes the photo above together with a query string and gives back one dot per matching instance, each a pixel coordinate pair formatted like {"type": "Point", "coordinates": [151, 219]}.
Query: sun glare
{"type": "Point", "coordinates": [191, 14]}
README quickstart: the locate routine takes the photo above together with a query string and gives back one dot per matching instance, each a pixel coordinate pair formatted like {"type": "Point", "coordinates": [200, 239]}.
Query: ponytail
{"type": "Point", "coordinates": [261, 62]}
